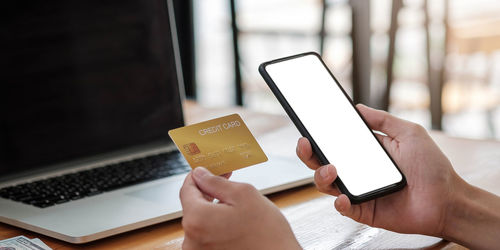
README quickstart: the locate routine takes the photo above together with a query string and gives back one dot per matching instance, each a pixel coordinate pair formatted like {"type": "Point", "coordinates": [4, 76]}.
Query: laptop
{"type": "Point", "coordinates": [90, 93]}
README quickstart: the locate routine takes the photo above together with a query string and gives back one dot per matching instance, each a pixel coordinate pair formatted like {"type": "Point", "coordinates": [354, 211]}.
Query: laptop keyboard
{"type": "Point", "coordinates": [74, 186]}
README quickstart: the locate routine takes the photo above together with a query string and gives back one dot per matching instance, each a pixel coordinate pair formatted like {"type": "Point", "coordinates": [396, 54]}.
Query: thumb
{"type": "Point", "coordinates": [384, 122]}
{"type": "Point", "coordinates": [212, 185]}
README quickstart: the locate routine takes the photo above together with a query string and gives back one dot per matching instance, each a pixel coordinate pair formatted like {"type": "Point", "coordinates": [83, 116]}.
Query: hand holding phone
{"type": "Point", "coordinates": [432, 190]}
{"type": "Point", "coordinates": [324, 113]}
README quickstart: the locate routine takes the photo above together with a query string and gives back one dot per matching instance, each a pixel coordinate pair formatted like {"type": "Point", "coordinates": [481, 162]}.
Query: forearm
{"type": "Point", "coordinates": [473, 218]}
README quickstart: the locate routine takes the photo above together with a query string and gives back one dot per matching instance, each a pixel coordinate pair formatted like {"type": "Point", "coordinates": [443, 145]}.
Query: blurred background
{"type": "Point", "coordinates": [436, 62]}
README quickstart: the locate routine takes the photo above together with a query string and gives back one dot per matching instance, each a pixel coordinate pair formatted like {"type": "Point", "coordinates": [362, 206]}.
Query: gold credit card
{"type": "Point", "coordinates": [221, 145]}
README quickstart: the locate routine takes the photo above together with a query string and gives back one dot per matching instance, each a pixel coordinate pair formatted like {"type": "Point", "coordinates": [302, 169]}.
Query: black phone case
{"type": "Point", "coordinates": [355, 199]}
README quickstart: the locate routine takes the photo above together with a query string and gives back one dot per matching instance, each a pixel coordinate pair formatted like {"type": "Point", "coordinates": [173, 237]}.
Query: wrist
{"type": "Point", "coordinates": [458, 207]}
{"type": "Point", "coordinates": [472, 218]}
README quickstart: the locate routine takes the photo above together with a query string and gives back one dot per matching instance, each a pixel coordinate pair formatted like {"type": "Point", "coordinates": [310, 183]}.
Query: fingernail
{"type": "Point", "coordinates": [331, 171]}
{"type": "Point", "coordinates": [339, 207]}
{"type": "Point", "coordinates": [200, 172]}
{"type": "Point", "coordinates": [324, 172]}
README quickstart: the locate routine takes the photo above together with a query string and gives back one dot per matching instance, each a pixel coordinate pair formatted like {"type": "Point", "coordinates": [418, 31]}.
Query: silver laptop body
{"type": "Point", "coordinates": [131, 207]}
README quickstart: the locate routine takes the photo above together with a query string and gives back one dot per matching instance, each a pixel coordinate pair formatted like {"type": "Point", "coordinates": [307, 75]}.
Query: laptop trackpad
{"type": "Point", "coordinates": [163, 193]}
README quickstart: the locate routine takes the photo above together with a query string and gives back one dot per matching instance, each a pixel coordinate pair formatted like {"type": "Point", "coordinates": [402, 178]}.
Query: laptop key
{"type": "Point", "coordinates": [61, 201]}
{"type": "Point", "coordinates": [94, 193]}
{"type": "Point", "coordinates": [43, 204]}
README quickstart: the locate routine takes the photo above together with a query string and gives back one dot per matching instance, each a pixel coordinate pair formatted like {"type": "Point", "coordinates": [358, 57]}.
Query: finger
{"type": "Point", "coordinates": [380, 137]}
{"type": "Point", "coordinates": [324, 177]}
{"type": "Point", "coordinates": [214, 186]}
{"type": "Point", "coordinates": [306, 155]}
{"type": "Point", "coordinates": [189, 194]}
{"type": "Point", "coordinates": [210, 198]}
{"type": "Point", "coordinates": [227, 176]}
{"type": "Point", "coordinates": [385, 140]}
{"type": "Point", "coordinates": [343, 205]}
{"type": "Point", "coordinates": [384, 122]}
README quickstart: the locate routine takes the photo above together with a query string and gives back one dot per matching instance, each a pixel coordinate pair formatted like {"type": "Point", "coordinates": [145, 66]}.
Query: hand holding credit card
{"type": "Point", "coordinates": [221, 145]}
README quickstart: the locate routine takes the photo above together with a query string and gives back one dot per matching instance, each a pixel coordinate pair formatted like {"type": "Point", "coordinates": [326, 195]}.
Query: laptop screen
{"type": "Point", "coordinates": [85, 78]}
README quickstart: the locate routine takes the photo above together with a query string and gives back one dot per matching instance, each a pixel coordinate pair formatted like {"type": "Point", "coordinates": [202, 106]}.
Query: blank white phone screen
{"type": "Point", "coordinates": [331, 120]}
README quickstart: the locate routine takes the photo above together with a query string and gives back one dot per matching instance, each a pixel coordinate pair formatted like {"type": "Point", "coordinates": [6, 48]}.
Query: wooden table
{"type": "Point", "coordinates": [313, 218]}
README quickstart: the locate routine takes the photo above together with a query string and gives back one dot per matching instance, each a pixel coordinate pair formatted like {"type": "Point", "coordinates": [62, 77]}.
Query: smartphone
{"type": "Point", "coordinates": [323, 113]}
